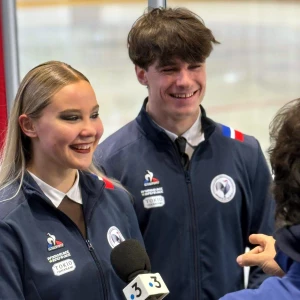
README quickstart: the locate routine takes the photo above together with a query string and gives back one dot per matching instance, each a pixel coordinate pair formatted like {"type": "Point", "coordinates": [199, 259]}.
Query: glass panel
{"type": "Point", "coordinates": [250, 75]}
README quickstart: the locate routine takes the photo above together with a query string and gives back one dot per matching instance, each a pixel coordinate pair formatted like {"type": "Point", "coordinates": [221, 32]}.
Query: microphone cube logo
{"type": "Point", "coordinates": [146, 285]}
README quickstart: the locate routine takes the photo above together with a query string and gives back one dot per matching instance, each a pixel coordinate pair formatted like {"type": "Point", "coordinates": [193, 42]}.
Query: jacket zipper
{"type": "Point", "coordinates": [193, 220]}
{"type": "Point", "coordinates": [194, 228]}
{"type": "Point", "coordinates": [92, 251]}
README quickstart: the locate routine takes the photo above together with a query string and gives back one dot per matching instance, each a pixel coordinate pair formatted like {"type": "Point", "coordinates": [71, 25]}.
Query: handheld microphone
{"type": "Point", "coordinates": [132, 264]}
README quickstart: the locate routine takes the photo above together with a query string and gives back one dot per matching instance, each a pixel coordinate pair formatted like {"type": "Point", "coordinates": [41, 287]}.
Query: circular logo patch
{"type": "Point", "coordinates": [114, 236]}
{"type": "Point", "coordinates": [223, 188]}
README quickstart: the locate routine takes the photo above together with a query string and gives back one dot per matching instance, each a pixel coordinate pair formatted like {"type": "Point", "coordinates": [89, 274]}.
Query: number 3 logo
{"type": "Point", "coordinates": [137, 290]}
{"type": "Point", "coordinates": [156, 281]}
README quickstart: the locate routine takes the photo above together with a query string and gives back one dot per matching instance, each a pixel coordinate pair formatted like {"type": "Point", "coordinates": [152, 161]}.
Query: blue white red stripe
{"type": "Point", "coordinates": [108, 183]}
{"type": "Point", "coordinates": [232, 133]}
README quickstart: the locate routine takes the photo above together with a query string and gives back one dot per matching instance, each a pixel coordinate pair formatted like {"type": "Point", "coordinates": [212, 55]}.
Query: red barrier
{"type": "Point", "coordinates": [3, 105]}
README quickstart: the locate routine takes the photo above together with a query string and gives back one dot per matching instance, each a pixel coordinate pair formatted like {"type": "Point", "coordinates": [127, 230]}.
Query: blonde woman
{"type": "Point", "coordinates": [59, 216]}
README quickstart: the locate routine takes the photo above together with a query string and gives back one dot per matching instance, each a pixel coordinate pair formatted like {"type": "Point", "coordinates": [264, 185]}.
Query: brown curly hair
{"type": "Point", "coordinates": [165, 33]}
{"type": "Point", "coordinates": [285, 162]}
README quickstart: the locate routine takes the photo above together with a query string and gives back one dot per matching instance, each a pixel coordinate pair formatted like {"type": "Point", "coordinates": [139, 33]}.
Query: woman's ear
{"type": "Point", "coordinates": [27, 126]}
{"type": "Point", "coordinates": [141, 75]}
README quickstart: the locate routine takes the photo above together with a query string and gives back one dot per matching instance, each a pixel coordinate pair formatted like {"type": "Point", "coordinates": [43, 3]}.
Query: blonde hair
{"type": "Point", "coordinates": [34, 94]}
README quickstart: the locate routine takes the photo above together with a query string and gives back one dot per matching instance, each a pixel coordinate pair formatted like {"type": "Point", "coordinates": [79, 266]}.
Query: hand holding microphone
{"type": "Point", "coordinates": [132, 264]}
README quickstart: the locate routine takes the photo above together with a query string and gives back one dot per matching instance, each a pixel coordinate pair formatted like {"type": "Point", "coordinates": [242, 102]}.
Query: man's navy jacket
{"type": "Point", "coordinates": [195, 222]}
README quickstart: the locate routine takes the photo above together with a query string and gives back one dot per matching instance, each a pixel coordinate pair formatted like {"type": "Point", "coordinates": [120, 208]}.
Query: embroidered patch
{"type": "Point", "coordinates": [63, 267]}
{"type": "Point", "coordinates": [154, 201]}
{"type": "Point", "coordinates": [53, 243]}
{"type": "Point", "coordinates": [223, 188]}
{"type": "Point", "coordinates": [114, 236]}
{"type": "Point", "coordinates": [108, 184]}
{"type": "Point", "coordinates": [149, 179]}
{"type": "Point", "coordinates": [234, 134]}
{"type": "Point", "coordinates": [58, 256]}
{"type": "Point", "coordinates": [154, 191]}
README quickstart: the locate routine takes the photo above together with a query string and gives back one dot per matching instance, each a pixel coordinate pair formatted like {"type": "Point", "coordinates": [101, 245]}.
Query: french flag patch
{"type": "Point", "coordinates": [234, 134]}
{"type": "Point", "coordinates": [108, 184]}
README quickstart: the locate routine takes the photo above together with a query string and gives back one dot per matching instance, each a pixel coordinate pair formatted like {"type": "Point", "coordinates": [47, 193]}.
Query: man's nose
{"type": "Point", "coordinates": [183, 78]}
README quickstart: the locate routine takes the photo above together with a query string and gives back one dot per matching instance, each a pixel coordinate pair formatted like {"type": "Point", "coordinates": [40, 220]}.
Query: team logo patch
{"type": "Point", "coordinates": [63, 267]}
{"type": "Point", "coordinates": [223, 188]}
{"type": "Point", "coordinates": [153, 192]}
{"type": "Point", "coordinates": [149, 179]}
{"type": "Point", "coordinates": [114, 236]}
{"type": "Point", "coordinates": [53, 243]}
{"type": "Point", "coordinates": [154, 201]}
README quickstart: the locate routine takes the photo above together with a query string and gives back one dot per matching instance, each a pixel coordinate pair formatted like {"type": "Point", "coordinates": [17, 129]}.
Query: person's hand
{"type": "Point", "coordinates": [262, 255]}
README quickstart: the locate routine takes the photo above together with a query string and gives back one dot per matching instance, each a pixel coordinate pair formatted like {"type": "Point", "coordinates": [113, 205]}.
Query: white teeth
{"type": "Point", "coordinates": [183, 95]}
{"type": "Point", "coordinates": [82, 147]}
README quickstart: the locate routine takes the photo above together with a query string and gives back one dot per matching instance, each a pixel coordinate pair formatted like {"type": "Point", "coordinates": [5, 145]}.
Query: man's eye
{"type": "Point", "coordinates": [95, 115]}
{"type": "Point", "coordinates": [168, 70]}
{"type": "Point", "coordinates": [195, 67]}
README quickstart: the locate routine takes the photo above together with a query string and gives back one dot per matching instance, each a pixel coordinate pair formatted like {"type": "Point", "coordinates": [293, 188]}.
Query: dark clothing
{"type": "Point", "coordinates": [288, 258]}
{"type": "Point", "coordinates": [194, 222]}
{"type": "Point", "coordinates": [42, 252]}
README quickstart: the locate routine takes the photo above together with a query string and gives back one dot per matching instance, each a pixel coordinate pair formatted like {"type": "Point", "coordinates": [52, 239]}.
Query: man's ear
{"type": "Point", "coordinates": [27, 126]}
{"type": "Point", "coordinates": [141, 75]}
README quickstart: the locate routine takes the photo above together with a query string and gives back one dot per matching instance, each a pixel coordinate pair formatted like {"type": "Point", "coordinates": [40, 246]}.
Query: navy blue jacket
{"type": "Point", "coordinates": [195, 222]}
{"type": "Point", "coordinates": [288, 258]}
{"type": "Point", "coordinates": [43, 255]}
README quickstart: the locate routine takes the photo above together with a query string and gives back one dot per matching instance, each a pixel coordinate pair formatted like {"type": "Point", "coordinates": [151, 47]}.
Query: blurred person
{"type": "Point", "coordinates": [200, 188]}
{"type": "Point", "coordinates": [58, 220]}
{"type": "Point", "coordinates": [284, 263]}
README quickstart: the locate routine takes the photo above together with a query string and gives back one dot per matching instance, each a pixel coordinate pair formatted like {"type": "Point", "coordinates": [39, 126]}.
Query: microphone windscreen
{"type": "Point", "coordinates": [129, 259]}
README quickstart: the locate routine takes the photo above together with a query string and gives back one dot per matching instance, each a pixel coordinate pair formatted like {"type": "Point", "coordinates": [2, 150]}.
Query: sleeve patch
{"type": "Point", "coordinates": [231, 133]}
{"type": "Point", "coordinates": [107, 183]}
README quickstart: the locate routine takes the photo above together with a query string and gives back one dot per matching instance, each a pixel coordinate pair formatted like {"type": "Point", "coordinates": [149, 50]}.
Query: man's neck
{"type": "Point", "coordinates": [177, 126]}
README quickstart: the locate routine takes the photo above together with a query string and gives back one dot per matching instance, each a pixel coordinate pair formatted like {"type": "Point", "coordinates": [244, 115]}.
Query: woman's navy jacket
{"type": "Point", "coordinates": [43, 255]}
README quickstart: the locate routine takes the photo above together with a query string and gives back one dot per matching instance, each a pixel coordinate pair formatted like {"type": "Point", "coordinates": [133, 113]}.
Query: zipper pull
{"type": "Point", "coordinates": [90, 246]}
{"type": "Point", "coordinates": [187, 177]}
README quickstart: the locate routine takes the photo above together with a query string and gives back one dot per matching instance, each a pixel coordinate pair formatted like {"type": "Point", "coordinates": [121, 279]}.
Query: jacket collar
{"type": "Point", "coordinates": [156, 133]}
{"type": "Point", "coordinates": [288, 241]}
{"type": "Point", "coordinates": [287, 246]}
{"type": "Point", "coordinates": [91, 190]}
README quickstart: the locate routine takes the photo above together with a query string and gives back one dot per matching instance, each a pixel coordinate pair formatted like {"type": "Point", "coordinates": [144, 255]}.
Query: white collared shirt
{"type": "Point", "coordinates": [194, 136]}
{"type": "Point", "coordinates": [57, 196]}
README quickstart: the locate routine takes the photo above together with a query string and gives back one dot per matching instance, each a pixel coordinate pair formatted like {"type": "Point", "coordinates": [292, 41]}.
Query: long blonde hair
{"type": "Point", "coordinates": [34, 94]}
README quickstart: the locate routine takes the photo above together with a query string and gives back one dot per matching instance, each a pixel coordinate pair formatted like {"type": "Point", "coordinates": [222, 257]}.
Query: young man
{"type": "Point", "coordinates": [200, 188]}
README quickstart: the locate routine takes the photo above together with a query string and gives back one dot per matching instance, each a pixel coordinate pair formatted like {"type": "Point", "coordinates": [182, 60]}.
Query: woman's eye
{"type": "Point", "coordinates": [95, 115]}
{"type": "Point", "coordinates": [70, 118]}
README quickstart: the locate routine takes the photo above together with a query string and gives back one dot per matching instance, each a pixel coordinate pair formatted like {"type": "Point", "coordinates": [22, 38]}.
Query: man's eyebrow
{"type": "Point", "coordinates": [169, 64]}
